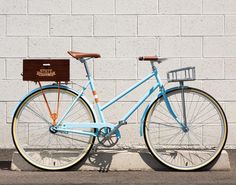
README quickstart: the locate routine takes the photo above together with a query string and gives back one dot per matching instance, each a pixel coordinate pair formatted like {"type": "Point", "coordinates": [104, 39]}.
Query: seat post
{"type": "Point", "coordinates": [153, 66]}
{"type": "Point", "coordinates": [82, 60]}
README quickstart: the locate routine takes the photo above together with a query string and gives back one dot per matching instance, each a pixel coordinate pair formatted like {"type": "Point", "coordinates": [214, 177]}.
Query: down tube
{"type": "Point", "coordinates": [140, 102]}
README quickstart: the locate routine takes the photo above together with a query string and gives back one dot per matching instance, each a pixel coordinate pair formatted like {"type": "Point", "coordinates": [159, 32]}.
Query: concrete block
{"type": "Point", "coordinates": [230, 68]}
{"type": "Point", "coordinates": [231, 140]}
{"type": "Point", "coordinates": [230, 25]}
{"type": "Point", "coordinates": [114, 69]}
{"type": "Point", "coordinates": [202, 25]}
{"type": "Point", "coordinates": [9, 89]}
{"type": "Point", "coordinates": [49, 47]}
{"type": "Point", "coordinates": [77, 70]}
{"type": "Point", "coordinates": [228, 86]}
{"type": "Point", "coordinates": [115, 25]}
{"type": "Point", "coordinates": [3, 112]}
{"type": "Point", "coordinates": [113, 160]}
{"type": "Point", "coordinates": [136, 46]}
{"type": "Point", "coordinates": [13, 7]}
{"type": "Point", "coordinates": [49, 7]}
{"type": "Point", "coordinates": [10, 108]}
{"type": "Point", "coordinates": [180, 6]}
{"type": "Point", "coordinates": [105, 89]}
{"type": "Point", "coordinates": [93, 6]}
{"type": "Point", "coordinates": [13, 47]}
{"type": "Point", "coordinates": [118, 110]}
{"type": "Point", "coordinates": [219, 46]}
{"type": "Point", "coordinates": [206, 68]}
{"type": "Point", "coordinates": [230, 111]}
{"type": "Point", "coordinates": [71, 25]}
{"type": "Point", "coordinates": [2, 25]}
{"type": "Point", "coordinates": [219, 6]}
{"type": "Point", "coordinates": [2, 69]}
{"type": "Point", "coordinates": [155, 25]}
{"type": "Point", "coordinates": [105, 46]}
{"type": "Point", "coordinates": [14, 68]}
{"type": "Point", "coordinates": [137, 93]}
{"type": "Point", "coordinates": [6, 140]}
{"type": "Point", "coordinates": [181, 47]}
{"type": "Point", "coordinates": [27, 25]}
{"type": "Point", "coordinates": [136, 7]}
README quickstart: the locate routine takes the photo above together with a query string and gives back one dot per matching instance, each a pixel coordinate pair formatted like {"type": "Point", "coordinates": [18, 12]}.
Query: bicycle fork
{"type": "Point", "coordinates": [183, 125]}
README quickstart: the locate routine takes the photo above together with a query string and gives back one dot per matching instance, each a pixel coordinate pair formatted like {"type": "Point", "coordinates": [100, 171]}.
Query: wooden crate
{"type": "Point", "coordinates": [46, 70]}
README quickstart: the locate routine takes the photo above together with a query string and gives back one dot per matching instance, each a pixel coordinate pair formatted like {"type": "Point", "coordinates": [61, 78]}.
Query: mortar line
{"type": "Point", "coordinates": [202, 7]}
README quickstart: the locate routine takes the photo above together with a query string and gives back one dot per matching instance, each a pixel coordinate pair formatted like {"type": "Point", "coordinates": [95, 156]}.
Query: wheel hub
{"type": "Point", "coordinates": [52, 129]}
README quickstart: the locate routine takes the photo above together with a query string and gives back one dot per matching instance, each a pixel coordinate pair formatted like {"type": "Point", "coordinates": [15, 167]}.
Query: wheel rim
{"type": "Point", "coordinates": [186, 150]}
{"type": "Point", "coordinates": [43, 148]}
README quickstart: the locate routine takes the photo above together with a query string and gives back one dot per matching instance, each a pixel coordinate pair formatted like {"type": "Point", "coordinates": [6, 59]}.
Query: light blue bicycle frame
{"type": "Point", "coordinates": [70, 127]}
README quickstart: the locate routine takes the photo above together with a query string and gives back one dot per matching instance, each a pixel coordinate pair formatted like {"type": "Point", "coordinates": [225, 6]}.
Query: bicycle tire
{"type": "Point", "coordinates": [63, 157]}
{"type": "Point", "coordinates": [179, 152]}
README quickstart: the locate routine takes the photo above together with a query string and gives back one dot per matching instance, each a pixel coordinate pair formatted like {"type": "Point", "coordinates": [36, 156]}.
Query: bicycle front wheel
{"type": "Point", "coordinates": [37, 143]}
{"type": "Point", "coordinates": [189, 149]}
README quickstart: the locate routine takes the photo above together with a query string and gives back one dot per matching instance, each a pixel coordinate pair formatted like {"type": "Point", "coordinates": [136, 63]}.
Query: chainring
{"type": "Point", "coordinates": [106, 142]}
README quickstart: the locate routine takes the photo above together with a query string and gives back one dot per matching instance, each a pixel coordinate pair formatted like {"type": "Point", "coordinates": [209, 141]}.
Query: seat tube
{"type": "Point", "coordinates": [96, 100]}
{"type": "Point", "coordinates": [154, 69]}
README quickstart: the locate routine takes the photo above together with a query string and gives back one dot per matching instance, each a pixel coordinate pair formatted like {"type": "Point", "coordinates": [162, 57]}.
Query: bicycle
{"type": "Point", "coordinates": [183, 127]}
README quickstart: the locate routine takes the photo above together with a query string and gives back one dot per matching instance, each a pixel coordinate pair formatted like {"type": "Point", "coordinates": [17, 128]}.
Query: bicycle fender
{"type": "Point", "coordinates": [149, 105]}
{"type": "Point", "coordinates": [50, 86]}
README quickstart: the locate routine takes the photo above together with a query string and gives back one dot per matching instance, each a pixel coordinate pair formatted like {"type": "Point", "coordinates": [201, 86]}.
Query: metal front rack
{"type": "Point", "coordinates": [180, 75]}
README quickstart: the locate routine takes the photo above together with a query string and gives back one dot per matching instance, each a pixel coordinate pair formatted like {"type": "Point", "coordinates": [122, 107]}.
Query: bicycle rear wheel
{"type": "Point", "coordinates": [182, 150]}
{"type": "Point", "coordinates": [42, 147]}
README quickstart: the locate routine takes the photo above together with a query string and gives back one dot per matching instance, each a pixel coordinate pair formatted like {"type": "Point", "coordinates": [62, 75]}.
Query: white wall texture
{"type": "Point", "coordinates": [199, 33]}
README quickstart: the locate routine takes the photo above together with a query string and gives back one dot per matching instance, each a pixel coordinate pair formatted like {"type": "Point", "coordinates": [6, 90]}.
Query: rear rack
{"type": "Point", "coordinates": [180, 75]}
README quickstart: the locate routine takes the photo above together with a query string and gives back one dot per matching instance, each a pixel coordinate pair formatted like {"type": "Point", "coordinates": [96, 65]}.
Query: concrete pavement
{"type": "Point", "coordinates": [8, 177]}
{"type": "Point", "coordinates": [119, 160]}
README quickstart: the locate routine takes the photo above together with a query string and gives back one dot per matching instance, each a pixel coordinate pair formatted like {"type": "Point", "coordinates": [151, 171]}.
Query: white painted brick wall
{"type": "Point", "coordinates": [219, 6]}
{"type": "Point", "coordinates": [49, 7]}
{"type": "Point", "coordinates": [113, 68]}
{"type": "Point", "coordinates": [219, 46]}
{"type": "Point", "coordinates": [230, 25]}
{"type": "Point", "coordinates": [71, 25]}
{"type": "Point", "coordinates": [180, 6]}
{"type": "Point", "coordinates": [103, 45]}
{"type": "Point", "coordinates": [93, 6]}
{"type": "Point", "coordinates": [13, 47]}
{"type": "Point", "coordinates": [115, 25]}
{"type": "Point", "coordinates": [27, 25]}
{"type": "Point", "coordinates": [156, 25]}
{"type": "Point", "coordinates": [230, 68]}
{"type": "Point", "coordinates": [181, 46]}
{"type": "Point", "coordinates": [13, 7]}
{"type": "Point", "coordinates": [202, 25]}
{"type": "Point", "coordinates": [2, 69]}
{"type": "Point", "coordinates": [49, 46]}
{"type": "Point", "coordinates": [135, 46]}
{"type": "Point", "coordinates": [136, 7]}
{"type": "Point", "coordinates": [199, 33]}
{"type": "Point", "coordinates": [2, 25]}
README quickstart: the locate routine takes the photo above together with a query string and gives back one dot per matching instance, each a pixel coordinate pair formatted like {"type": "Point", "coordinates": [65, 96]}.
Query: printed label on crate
{"type": "Point", "coordinates": [46, 72]}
